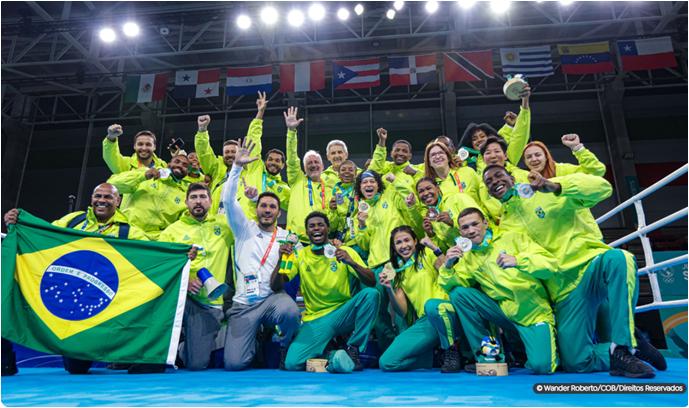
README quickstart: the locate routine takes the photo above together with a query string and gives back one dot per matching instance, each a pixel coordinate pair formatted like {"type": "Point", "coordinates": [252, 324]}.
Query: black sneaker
{"type": "Point", "coordinates": [648, 353]}
{"type": "Point", "coordinates": [451, 361]}
{"type": "Point", "coordinates": [624, 364]}
{"type": "Point", "coordinates": [353, 353]}
{"type": "Point", "coordinates": [283, 356]}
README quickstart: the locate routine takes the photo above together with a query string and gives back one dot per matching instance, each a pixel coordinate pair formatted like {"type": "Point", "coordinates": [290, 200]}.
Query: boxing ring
{"type": "Point", "coordinates": [40, 386]}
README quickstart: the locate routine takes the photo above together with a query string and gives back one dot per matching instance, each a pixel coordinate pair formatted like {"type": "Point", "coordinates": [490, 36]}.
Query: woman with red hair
{"type": "Point", "coordinates": [537, 157]}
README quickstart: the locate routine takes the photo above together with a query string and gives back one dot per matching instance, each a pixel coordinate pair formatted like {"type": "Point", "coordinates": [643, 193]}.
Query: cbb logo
{"type": "Point", "coordinates": [79, 285]}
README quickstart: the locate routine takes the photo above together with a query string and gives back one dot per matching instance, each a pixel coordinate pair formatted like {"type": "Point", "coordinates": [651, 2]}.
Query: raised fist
{"type": "Point", "coordinates": [114, 131]}
{"type": "Point", "coordinates": [203, 121]}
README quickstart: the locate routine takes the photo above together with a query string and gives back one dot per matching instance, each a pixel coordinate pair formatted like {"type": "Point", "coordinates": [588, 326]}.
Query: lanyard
{"type": "Point", "coordinates": [265, 183]}
{"type": "Point", "coordinates": [100, 229]}
{"type": "Point", "coordinates": [322, 194]}
{"type": "Point", "coordinates": [348, 193]}
{"type": "Point", "coordinates": [457, 181]}
{"type": "Point", "coordinates": [270, 246]}
{"type": "Point", "coordinates": [410, 262]}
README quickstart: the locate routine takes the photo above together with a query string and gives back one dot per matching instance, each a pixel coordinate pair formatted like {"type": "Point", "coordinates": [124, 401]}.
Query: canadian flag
{"type": "Point", "coordinates": [302, 76]}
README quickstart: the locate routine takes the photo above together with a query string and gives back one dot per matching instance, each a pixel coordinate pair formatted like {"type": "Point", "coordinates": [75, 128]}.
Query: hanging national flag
{"type": "Point", "coordinates": [249, 80]}
{"type": "Point", "coordinates": [92, 297]}
{"type": "Point", "coordinates": [468, 66]}
{"type": "Point", "coordinates": [412, 70]}
{"type": "Point", "coordinates": [355, 74]}
{"type": "Point", "coordinates": [647, 53]}
{"type": "Point", "coordinates": [145, 88]}
{"type": "Point", "coordinates": [203, 83]}
{"type": "Point", "coordinates": [302, 76]}
{"type": "Point", "coordinates": [528, 61]}
{"type": "Point", "coordinates": [588, 58]}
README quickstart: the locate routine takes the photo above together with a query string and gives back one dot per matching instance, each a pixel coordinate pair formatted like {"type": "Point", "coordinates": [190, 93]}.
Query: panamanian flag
{"type": "Point", "coordinates": [200, 83]}
{"type": "Point", "coordinates": [249, 80]}
{"type": "Point", "coordinates": [412, 70]}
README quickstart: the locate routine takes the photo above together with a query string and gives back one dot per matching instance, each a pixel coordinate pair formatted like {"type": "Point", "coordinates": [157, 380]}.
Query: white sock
{"type": "Point", "coordinates": [612, 347]}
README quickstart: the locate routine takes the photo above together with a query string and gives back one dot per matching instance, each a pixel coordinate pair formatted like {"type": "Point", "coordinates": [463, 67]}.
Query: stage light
{"type": "Point", "coordinates": [566, 3]}
{"type": "Point", "coordinates": [500, 6]}
{"type": "Point", "coordinates": [398, 5]}
{"type": "Point", "coordinates": [466, 4]}
{"type": "Point", "coordinates": [359, 9]}
{"type": "Point", "coordinates": [316, 12]}
{"type": "Point", "coordinates": [269, 15]}
{"type": "Point", "coordinates": [390, 14]}
{"type": "Point", "coordinates": [431, 6]}
{"type": "Point", "coordinates": [130, 29]}
{"type": "Point", "coordinates": [295, 18]}
{"type": "Point", "coordinates": [107, 35]}
{"type": "Point", "coordinates": [243, 21]}
{"type": "Point", "coordinates": [343, 14]}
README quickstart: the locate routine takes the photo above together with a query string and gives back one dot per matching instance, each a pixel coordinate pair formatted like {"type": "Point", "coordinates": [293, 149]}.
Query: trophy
{"type": "Point", "coordinates": [525, 190]}
{"type": "Point", "coordinates": [514, 86]}
{"type": "Point", "coordinates": [490, 360]}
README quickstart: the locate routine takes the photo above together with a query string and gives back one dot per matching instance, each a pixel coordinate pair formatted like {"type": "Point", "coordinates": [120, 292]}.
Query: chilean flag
{"type": "Point", "coordinates": [356, 74]}
{"type": "Point", "coordinates": [647, 53]}
{"type": "Point", "coordinates": [412, 70]}
{"type": "Point", "coordinates": [302, 76]}
{"type": "Point", "coordinates": [249, 80]}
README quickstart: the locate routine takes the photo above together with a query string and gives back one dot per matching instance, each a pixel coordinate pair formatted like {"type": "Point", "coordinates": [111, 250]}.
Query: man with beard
{"type": "Point", "coordinates": [331, 309]}
{"type": "Point", "coordinates": [309, 190]}
{"type": "Point", "coordinates": [264, 177]}
{"type": "Point", "coordinates": [102, 217]}
{"type": "Point", "coordinates": [590, 272]}
{"type": "Point", "coordinates": [202, 316]}
{"type": "Point", "coordinates": [400, 167]}
{"type": "Point", "coordinates": [156, 196]}
{"type": "Point", "coordinates": [254, 302]}
{"type": "Point", "coordinates": [144, 156]}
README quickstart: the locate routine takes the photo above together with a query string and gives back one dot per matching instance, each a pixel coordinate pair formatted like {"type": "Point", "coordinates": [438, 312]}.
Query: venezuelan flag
{"type": "Point", "coordinates": [91, 297]}
{"type": "Point", "coordinates": [585, 58]}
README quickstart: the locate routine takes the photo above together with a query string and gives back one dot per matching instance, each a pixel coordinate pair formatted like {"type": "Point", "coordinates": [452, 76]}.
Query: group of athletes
{"type": "Point", "coordinates": [444, 253]}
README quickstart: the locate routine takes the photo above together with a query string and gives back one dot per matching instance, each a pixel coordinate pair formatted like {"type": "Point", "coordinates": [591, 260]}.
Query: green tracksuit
{"type": "Point", "coordinates": [153, 204]}
{"type": "Point", "coordinates": [513, 298]}
{"type": "Point", "coordinates": [383, 167]}
{"type": "Point", "coordinates": [589, 271]}
{"type": "Point", "coordinates": [413, 348]}
{"type": "Point", "coordinates": [117, 163]}
{"type": "Point", "coordinates": [453, 204]}
{"type": "Point", "coordinates": [110, 228]}
{"type": "Point", "coordinates": [517, 138]}
{"type": "Point", "coordinates": [214, 236]}
{"type": "Point", "coordinates": [331, 310]}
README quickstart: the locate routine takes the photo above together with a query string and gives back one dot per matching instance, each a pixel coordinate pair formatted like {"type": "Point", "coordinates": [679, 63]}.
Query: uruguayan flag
{"type": "Point", "coordinates": [528, 61]}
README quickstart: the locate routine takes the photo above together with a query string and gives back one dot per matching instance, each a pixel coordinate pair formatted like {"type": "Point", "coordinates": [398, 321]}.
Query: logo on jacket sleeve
{"type": "Point", "coordinates": [216, 230]}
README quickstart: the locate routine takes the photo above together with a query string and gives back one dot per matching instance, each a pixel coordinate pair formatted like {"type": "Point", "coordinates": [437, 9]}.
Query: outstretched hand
{"type": "Point", "coordinates": [244, 153]}
{"type": "Point", "coordinates": [291, 120]}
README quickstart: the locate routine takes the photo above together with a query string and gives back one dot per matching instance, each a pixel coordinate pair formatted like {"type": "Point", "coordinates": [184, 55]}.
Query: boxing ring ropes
{"type": "Point", "coordinates": [642, 233]}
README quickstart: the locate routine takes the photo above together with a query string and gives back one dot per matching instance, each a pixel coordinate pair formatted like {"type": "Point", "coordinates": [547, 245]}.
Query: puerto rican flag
{"type": "Point", "coordinates": [412, 70]}
{"type": "Point", "coordinates": [356, 74]}
{"type": "Point", "coordinates": [203, 83]}
{"type": "Point", "coordinates": [647, 53]}
{"type": "Point", "coordinates": [249, 80]}
{"type": "Point", "coordinates": [302, 76]}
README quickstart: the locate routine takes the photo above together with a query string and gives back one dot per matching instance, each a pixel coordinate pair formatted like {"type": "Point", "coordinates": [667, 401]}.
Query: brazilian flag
{"type": "Point", "coordinates": [92, 297]}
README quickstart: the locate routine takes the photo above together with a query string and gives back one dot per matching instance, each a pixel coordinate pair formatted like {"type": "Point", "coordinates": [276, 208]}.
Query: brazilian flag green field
{"type": "Point", "coordinates": [92, 297]}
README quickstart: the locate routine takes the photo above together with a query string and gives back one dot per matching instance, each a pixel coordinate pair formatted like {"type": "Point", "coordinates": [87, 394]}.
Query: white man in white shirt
{"type": "Point", "coordinates": [257, 249]}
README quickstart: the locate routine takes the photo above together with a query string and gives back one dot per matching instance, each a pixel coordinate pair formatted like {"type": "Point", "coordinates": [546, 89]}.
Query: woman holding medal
{"type": "Point", "coordinates": [411, 281]}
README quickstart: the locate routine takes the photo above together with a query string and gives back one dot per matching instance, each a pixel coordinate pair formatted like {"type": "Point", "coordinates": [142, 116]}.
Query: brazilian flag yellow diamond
{"type": "Point", "coordinates": [79, 285]}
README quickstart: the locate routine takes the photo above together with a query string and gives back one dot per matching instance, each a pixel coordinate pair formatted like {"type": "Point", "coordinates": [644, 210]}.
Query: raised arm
{"type": "Point", "coordinates": [235, 216]}
{"type": "Point", "coordinates": [111, 150]}
{"type": "Point", "coordinates": [588, 162]}
{"type": "Point", "coordinates": [202, 145]}
{"type": "Point", "coordinates": [128, 181]}
{"type": "Point", "coordinates": [293, 165]}
{"type": "Point", "coordinates": [521, 133]}
{"type": "Point", "coordinates": [380, 153]}
{"type": "Point", "coordinates": [581, 190]}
